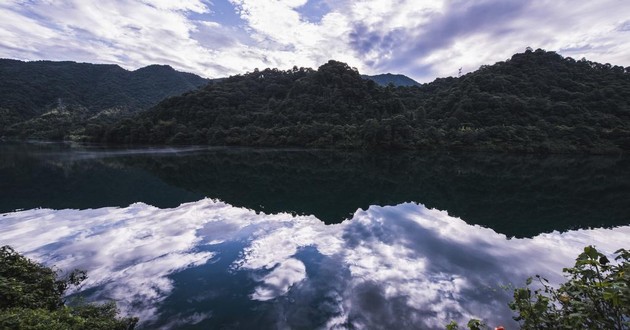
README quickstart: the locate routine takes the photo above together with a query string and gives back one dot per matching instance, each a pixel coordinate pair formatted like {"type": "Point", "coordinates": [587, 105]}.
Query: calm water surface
{"type": "Point", "coordinates": [208, 265]}
{"type": "Point", "coordinates": [518, 195]}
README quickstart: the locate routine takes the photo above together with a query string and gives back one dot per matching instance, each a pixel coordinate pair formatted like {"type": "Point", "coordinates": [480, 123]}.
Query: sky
{"type": "Point", "coordinates": [217, 38]}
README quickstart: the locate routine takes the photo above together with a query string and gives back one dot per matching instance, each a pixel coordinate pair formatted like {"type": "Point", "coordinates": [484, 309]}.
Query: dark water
{"type": "Point", "coordinates": [211, 266]}
{"type": "Point", "coordinates": [518, 195]}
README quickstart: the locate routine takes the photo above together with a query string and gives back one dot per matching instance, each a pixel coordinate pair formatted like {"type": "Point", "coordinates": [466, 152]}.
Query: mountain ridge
{"type": "Point", "coordinates": [536, 101]}
{"type": "Point", "coordinates": [79, 91]}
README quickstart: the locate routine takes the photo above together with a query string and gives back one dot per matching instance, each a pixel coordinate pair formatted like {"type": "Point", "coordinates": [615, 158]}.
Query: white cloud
{"type": "Point", "coordinates": [280, 280]}
{"type": "Point", "coordinates": [129, 33]}
{"type": "Point", "coordinates": [130, 259]}
{"type": "Point", "coordinates": [197, 6]}
{"type": "Point", "coordinates": [285, 38]}
{"type": "Point", "coordinates": [423, 39]}
{"type": "Point", "coordinates": [384, 268]}
{"type": "Point", "coordinates": [437, 39]}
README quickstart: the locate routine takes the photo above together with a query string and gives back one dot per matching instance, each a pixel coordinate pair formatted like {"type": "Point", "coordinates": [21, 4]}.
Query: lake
{"type": "Point", "coordinates": [203, 237]}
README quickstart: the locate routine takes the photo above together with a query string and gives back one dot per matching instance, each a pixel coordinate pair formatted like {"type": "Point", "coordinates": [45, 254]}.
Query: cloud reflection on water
{"type": "Point", "coordinates": [401, 266]}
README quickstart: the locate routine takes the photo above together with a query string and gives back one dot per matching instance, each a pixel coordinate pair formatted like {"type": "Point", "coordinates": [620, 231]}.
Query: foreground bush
{"type": "Point", "coordinates": [596, 295]}
{"type": "Point", "coordinates": [31, 297]}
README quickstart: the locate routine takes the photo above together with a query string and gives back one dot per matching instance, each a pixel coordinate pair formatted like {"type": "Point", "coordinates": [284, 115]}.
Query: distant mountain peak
{"type": "Point", "coordinates": [391, 78]}
{"type": "Point", "coordinates": [156, 67]}
{"type": "Point", "coordinates": [37, 87]}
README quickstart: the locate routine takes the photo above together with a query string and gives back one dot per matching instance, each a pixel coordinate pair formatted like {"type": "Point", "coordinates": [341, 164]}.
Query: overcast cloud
{"type": "Point", "coordinates": [423, 39]}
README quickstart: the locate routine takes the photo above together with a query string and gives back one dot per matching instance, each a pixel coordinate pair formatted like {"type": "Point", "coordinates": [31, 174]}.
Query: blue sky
{"type": "Point", "coordinates": [215, 38]}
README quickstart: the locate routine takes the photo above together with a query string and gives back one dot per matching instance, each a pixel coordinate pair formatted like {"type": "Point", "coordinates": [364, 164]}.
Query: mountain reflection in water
{"type": "Point", "coordinates": [518, 195]}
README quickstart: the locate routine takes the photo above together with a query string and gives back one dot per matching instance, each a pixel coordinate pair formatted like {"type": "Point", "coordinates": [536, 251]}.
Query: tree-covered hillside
{"type": "Point", "coordinates": [536, 101]}
{"type": "Point", "coordinates": [54, 99]}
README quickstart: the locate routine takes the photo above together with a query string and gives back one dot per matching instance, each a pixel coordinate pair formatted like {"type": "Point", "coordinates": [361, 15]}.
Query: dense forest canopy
{"type": "Point", "coordinates": [48, 99]}
{"type": "Point", "coordinates": [536, 101]}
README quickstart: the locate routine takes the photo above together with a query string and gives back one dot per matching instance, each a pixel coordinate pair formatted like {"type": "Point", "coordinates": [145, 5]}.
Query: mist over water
{"type": "Point", "coordinates": [307, 239]}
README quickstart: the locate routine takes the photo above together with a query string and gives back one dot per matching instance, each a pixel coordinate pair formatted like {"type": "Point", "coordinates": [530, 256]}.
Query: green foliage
{"type": "Point", "coordinates": [24, 283]}
{"type": "Point", "coordinates": [55, 100]}
{"type": "Point", "coordinates": [88, 317]}
{"type": "Point", "coordinates": [595, 296]}
{"type": "Point", "coordinates": [473, 324]}
{"type": "Point", "coordinates": [536, 101]}
{"type": "Point", "coordinates": [31, 297]}
{"type": "Point", "coordinates": [452, 326]}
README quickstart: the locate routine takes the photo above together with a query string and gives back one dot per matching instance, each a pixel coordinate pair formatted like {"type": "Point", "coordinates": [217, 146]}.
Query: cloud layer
{"type": "Point", "coordinates": [424, 39]}
{"type": "Point", "coordinates": [401, 266]}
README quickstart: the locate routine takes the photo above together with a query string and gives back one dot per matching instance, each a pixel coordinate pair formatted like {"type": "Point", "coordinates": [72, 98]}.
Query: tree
{"type": "Point", "coordinates": [596, 296]}
{"type": "Point", "coordinates": [31, 297]}
{"type": "Point", "coordinates": [473, 324]}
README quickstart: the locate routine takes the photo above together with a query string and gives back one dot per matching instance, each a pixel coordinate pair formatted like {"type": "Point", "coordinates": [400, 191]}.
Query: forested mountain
{"type": "Point", "coordinates": [53, 99]}
{"type": "Point", "coordinates": [389, 78]}
{"type": "Point", "coordinates": [536, 101]}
